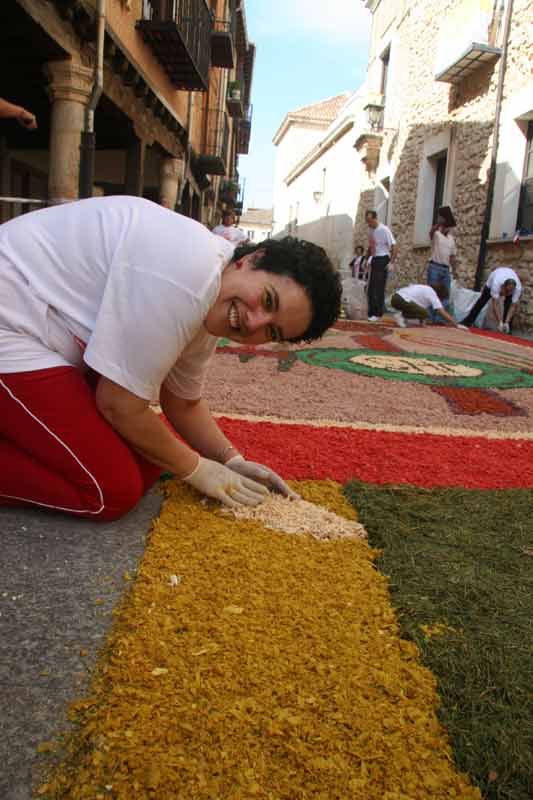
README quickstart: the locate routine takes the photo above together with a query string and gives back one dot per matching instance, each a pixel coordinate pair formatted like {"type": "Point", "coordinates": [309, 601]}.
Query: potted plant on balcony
{"type": "Point", "coordinates": [229, 191]}
{"type": "Point", "coordinates": [234, 90]}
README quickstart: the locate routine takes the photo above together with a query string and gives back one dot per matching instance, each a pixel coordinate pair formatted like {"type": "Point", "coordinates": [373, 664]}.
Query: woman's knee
{"type": "Point", "coordinates": [121, 494]}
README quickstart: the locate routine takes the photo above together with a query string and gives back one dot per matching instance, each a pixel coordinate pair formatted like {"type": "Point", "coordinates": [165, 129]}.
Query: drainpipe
{"type": "Point", "coordinates": [482, 256]}
{"type": "Point", "coordinates": [87, 146]}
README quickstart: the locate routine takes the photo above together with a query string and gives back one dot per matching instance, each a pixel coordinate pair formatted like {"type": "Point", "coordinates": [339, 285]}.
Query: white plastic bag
{"type": "Point", "coordinates": [462, 300]}
{"type": "Point", "coordinates": [354, 299]}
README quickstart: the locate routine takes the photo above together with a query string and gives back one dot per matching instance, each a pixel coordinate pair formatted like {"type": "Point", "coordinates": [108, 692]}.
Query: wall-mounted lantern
{"type": "Point", "coordinates": [374, 113]}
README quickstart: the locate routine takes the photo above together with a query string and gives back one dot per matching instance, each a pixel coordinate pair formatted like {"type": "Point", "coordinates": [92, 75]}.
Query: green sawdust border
{"type": "Point", "coordinates": [461, 565]}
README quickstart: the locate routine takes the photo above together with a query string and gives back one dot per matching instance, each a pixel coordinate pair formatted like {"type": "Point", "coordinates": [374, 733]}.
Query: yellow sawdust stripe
{"type": "Point", "coordinates": [370, 426]}
{"type": "Point", "coordinates": [271, 668]}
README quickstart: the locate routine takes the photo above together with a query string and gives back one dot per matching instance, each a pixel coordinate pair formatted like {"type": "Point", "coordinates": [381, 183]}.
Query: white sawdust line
{"type": "Point", "coordinates": [369, 426]}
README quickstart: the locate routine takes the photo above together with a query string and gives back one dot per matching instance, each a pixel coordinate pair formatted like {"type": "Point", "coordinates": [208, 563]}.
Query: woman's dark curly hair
{"type": "Point", "coordinates": [309, 265]}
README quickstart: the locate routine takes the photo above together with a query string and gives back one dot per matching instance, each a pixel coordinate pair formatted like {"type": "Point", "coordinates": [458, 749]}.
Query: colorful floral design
{"type": "Point", "coordinates": [272, 666]}
{"type": "Point", "coordinates": [434, 356]}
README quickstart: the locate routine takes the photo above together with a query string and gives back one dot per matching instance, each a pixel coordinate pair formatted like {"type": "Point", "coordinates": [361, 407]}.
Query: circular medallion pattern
{"type": "Point", "coordinates": [418, 368]}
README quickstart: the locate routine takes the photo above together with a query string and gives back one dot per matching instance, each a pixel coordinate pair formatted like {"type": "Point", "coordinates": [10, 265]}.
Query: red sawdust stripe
{"type": "Point", "coordinates": [503, 336]}
{"type": "Point", "coordinates": [468, 400]}
{"type": "Point", "coordinates": [302, 452]}
{"type": "Point", "coordinates": [377, 343]}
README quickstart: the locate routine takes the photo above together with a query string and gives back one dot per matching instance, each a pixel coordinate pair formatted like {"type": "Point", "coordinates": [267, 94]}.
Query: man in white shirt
{"type": "Point", "coordinates": [382, 251]}
{"type": "Point", "coordinates": [443, 251]}
{"type": "Point", "coordinates": [130, 297]}
{"type": "Point", "coordinates": [417, 300]}
{"type": "Point", "coordinates": [228, 230]}
{"type": "Point", "coordinates": [502, 283]}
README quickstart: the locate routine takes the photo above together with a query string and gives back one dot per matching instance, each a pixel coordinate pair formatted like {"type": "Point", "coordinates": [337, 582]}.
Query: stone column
{"type": "Point", "coordinates": [135, 154]}
{"type": "Point", "coordinates": [69, 90]}
{"type": "Point", "coordinates": [171, 171]}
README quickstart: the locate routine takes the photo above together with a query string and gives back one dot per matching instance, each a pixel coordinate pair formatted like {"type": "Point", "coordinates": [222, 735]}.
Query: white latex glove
{"type": "Point", "coordinates": [262, 474]}
{"type": "Point", "coordinates": [506, 327]}
{"type": "Point", "coordinates": [501, 327]}
{"type": "Point", "coordinates": [216, 480]}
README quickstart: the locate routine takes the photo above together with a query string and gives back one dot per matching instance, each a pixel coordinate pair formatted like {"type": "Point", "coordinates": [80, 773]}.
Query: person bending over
{"type": "Point", "coordinates": [417, 300]}
{"type": "Point", "coordinates": [503, 282]}
{"type": "Point", "coordinates": [110, 304]}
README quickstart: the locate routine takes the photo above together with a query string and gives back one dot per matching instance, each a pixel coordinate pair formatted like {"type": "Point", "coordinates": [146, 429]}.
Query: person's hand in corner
{"type": "Point", "coordinates": [22, 115]}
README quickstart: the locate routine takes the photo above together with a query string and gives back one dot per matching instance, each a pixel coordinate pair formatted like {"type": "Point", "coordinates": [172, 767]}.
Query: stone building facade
{"type": "Point", "coordinates": [172, 118]}
{"type": "Point", "coordinates": [440, 73]}
{"type": "Point", "coordinates": [257, 224]}
{"type": "Point", "coordinates": [316, 181]}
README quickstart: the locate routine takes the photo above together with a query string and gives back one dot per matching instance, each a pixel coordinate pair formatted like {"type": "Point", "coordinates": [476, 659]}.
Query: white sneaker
{"type": "Point", "coordinates": [373, 319]}
{"type": "Point", "coordinates": [400, 321]}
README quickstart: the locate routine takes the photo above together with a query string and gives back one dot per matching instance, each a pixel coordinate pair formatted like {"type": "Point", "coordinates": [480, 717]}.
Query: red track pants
{"type": "Point", "coordinates": [58, 452]}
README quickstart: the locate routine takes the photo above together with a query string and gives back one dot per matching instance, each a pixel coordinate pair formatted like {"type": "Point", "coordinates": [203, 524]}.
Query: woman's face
{"type": "Point", "coordinates": [255, 307]}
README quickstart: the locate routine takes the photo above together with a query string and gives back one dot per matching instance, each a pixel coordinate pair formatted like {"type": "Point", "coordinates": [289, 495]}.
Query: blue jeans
{"type": "Point", "coordinates": [439, 274]}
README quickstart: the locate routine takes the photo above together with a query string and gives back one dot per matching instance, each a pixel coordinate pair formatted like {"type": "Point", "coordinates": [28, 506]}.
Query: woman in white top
{"type": "Point", "coordinates": [108, 304]}
{"type": "Point", "coordinates": [443, 252]}
{"type": "Point", "coordinates": [228, 230]}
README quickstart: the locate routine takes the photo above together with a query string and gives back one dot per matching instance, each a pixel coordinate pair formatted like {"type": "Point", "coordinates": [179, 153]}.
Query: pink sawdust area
{"type": "Point", "coordinates": [430, 378]}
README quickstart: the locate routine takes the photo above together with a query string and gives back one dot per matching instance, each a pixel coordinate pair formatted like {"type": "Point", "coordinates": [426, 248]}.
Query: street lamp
{"type": "Point", "coordinates": [374, 112]}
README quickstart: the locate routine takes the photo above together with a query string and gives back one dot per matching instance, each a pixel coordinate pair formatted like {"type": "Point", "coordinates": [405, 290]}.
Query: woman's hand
{"type": "Point", "coordinates": [226, 485]}
{"type": "Point", "coordinates": [258, 472]}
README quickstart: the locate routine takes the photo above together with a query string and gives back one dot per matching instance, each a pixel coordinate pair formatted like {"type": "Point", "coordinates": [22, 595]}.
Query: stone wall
{"type": "Point", "coordinates": [425, 110]}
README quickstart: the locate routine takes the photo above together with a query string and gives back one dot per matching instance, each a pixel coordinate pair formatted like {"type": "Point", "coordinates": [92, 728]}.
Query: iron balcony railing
{"type": "Point", "coordinates": [244, 131]}
{"type": "Point", "coordinates": [223, 39]}
{"type": "Point", "coordinates": [179, 32]}
{"type": "Point", "coordinates": [214, 155]}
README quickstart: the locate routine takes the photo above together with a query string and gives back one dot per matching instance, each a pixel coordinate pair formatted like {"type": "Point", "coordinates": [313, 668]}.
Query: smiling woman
{"type": "Point", "coordinates": [309, 268]}
{"type": "Point", "coordinates": [256, 307]}
{"type": "Point", "coordinates": [112, 303]}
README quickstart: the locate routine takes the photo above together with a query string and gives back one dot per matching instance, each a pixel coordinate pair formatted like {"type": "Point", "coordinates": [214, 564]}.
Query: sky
{"type": "Point", "coordinates": [306, 51]}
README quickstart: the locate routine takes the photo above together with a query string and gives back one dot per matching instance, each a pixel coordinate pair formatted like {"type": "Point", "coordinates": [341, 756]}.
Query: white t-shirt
{"type": "Point", "coordinates": [230, 233]}
{"type": "Point", "coordinates": [118, 282]}
{"type": "Point", "coordinates": [421, 294]}
{"type": "Point", "coordinates": [442, 248]}
{"type": "Point", "coordinates": [381, 240]}
{"type": "Point", "coordinates": [498, 277]}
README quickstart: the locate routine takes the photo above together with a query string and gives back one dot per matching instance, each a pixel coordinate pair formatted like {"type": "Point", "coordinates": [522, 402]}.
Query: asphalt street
{"type": "Point", "coordinates": [59, 582]}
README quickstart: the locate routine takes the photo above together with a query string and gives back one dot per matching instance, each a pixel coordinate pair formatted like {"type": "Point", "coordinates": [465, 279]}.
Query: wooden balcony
{"type": "Point", "coordinates": [223, 41]}
{"type": "Point", "coordinates": [235, 100]}
{"type": "Point", "coordinates": [244, 132]}
{"type": "Point", "coordinates": [179, 33]}
{"type": "Point", "coordinates": [212, 160]}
